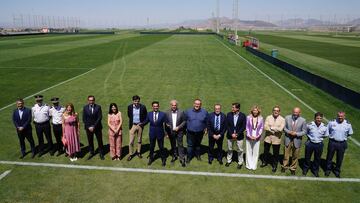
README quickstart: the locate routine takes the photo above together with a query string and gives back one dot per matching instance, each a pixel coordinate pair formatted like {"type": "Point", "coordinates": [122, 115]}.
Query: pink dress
{"type": "Point", "coordinates": [71, 135]}
{"type": "Point", "coordinates": [115, 140]}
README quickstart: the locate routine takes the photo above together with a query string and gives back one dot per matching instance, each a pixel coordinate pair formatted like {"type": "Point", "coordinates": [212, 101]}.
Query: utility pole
{"type": "Point", "coordinates": [217, 16]}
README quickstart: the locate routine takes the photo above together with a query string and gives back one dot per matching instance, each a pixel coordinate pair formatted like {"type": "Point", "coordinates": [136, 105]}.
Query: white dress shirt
{"type": "Point", "coordinates": [40, 113]}
{"type": "Point", "coordinates": [56, 114]}
{"type": "Point", "coordinates": [174, 117]}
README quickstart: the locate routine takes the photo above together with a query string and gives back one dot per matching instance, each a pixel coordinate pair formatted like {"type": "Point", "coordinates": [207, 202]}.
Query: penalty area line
{"type": "Point", "coordinates": [44, 90]}
{"type": "Point", "coordinates": [279, 85]}
{"type": "Point", "coordinates": [179, 172]}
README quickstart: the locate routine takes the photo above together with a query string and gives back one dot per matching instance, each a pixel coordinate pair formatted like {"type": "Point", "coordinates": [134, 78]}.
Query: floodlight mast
{"type": "Point", "coordinates": [235, 17]}
{"type": "Point", "coordinates": [217, 16]}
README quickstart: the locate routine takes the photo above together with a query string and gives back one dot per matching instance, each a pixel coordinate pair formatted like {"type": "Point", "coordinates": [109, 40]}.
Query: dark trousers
{"type": "Point", "coordinates": [176, 140]}
{"type": "Point", "coordinates": [160, 141]}
{"type": "Point", "coordinates": [41, 129]}
{"type": "Point", "coordinates": [57, 130]}
{"type": "Point", "coordinates": [194, 142]}
{"type": "Point", "coordinates": [26, 133]}
{"type": "Point", "coordinates": [90, 137]}
{"type": "Point", "coordinates": [219, 144]}
{"type": "Point", "coordinates": [311, 148]}
{"type": "Point", "coordinates": [339, 148]}
{"type": "Point", "coordinates": [267, 157]}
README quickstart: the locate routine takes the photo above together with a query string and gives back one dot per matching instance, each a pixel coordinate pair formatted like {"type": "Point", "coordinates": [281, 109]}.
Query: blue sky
{"type": "Point", "coordinates": [136, 12]}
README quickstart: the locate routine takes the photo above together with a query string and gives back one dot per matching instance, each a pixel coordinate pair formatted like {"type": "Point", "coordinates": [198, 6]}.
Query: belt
{"type": "Point", "coordinates": [135, 123]}
{"type": "Point", "coordinates": [333, 140]}
{"type": "Point", "coordinates": [46, 122]}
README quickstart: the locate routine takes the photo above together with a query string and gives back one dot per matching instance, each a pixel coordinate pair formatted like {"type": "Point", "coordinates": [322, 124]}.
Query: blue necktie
{"type": "Point", "coordinates": [217, 123]}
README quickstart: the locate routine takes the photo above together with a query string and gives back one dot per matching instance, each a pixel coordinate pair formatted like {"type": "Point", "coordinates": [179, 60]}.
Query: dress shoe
{"type": "Point", "coordinates": [210, 162]}
{"type": "Point", "coordinates": [263, 164]}
{"type": "Point", "coordinates": [239, 166]}
{"type": "Point", "coordinates": [316, 174]}
{"type": "Point", "coordinates": [188, 161]}
{"type": "Point", "coordinates": [327, 173]}
{"type": "Point", "coordinates": [32, 155]}
{"type": "Point", "coordinates": [102, 156]}
{"type": "Point", "coordinates": [282, 170]}
{"type": "Point", "coordinates": [274, 168]}
{"type": "Point", "coordinates": [131, 156]}
{"type": "Point", "coordinates": [52, 152]}
{"type": "Point", "coordinates": [198, 158]}
{"type": "Point", "coordinates": [139, 155]}
{"type": "Point", "coordinates": [304, 172]}
{"type": "Point", "coordinates": [220, 162]}
{"type": "Point", "coordinates": [150, 162]}
{"type": "Point", "coordinates": [183, 164]}
{"type": "Point", "coordinates": [41, 153]}
{"type": "Point", "coordinates": [174, 158]}
{"type": "Point", "coordinates": [227, 164]}
{"type": "Point", "coordinates": [337, 175]}
{"type": "Point", "coordinates": [163, 163]}
{"type": "Point", "coordinates": [293, 173]}
{"type": "Point", "coordinates": [22, 156]}
{"type": "Point", "coordinates": [113, 158]}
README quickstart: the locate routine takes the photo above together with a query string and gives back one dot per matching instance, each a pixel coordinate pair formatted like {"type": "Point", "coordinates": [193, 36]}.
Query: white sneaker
{"type": "Point", "coordinates": [75, 159]}
{"type": "Point", "coordinates": [71, 159]}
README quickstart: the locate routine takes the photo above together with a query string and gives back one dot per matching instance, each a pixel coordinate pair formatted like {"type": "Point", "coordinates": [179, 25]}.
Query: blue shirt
{"type": "Point", "coordinates": [316, 134]}
{"type": "Point", "coordinates": [339, 131]}
{"type": "Point", "coordinates": [196, 120]}
{"type": "Point", "coordinates": [136, 114]}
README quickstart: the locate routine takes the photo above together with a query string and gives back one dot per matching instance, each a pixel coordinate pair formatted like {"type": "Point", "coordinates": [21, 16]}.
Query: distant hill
{"type": "Point", "coordinates": [224, 23]}
{"type": "Point", "coordinates": [355, 22]}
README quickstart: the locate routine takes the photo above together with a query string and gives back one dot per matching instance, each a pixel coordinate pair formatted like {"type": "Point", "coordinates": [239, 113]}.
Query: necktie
{"type": "Point", "coordinates": [217, 123]}
{"type": "Point", "coordinates": [92, 109]}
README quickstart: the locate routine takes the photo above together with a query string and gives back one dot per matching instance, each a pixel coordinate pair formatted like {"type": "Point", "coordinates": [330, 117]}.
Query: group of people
{"type": "Point", "coordinates": [193, 123]}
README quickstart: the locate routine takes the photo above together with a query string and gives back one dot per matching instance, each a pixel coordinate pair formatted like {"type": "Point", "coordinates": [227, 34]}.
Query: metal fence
{"type": "Point", "coordinates": [340, 92]}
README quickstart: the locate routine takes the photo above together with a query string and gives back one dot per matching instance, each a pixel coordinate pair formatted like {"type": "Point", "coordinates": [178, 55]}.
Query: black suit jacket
{"type": "Point", "coordinates": [92, 119]}
{"type": "Point", "coordinates": [239, 128]}
{"type": "Point", "coordinates": [25, 120]}
{"type": "Point", "coordinates": [143, 114]}
{"type": "Point", "coordinates": [211, 125]}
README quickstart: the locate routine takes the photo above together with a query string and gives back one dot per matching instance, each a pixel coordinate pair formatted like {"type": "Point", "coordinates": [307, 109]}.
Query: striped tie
{"type": "Point", "coordinates": [217, 123]}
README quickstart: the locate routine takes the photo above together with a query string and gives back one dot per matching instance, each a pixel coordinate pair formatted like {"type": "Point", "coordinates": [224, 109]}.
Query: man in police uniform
{"type": "Point", "coordinates": [338, 129]}
{"type": "Point", "coordinates": [40, 113]}
{"type": "Point", "coordinates": [56, 112]}
{"type": "Point", "coordinates": [316, 132]}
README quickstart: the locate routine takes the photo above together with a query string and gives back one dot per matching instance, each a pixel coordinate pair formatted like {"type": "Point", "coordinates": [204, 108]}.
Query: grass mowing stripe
{"type": "Point", "coordinates": [282, 87]}
{"type": "Point", "coordinates": [339, 53]}
{"type": "Point", "coordinates": [179, 172]}
{"type": "Point", "coordinates": [4, 174]}
{"type": "Point", "coordinates": [45, 68]}
{"type": "Point", "coordinates": [63, 82]}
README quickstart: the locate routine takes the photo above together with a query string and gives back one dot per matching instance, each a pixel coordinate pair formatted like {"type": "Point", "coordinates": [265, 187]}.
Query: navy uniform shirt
{"type": "Point", "coordinates": [316, 134]}
{"type": "Point", "coordinates": [339, 131]}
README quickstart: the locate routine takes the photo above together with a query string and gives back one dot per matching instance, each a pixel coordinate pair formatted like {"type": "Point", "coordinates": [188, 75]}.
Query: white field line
{"type": "Point", "coordinates": [44, 90]}
{"type": "Point", "coordinates": [4, 174]}
{"type": "Point", "coordinates": [179, 172]}
{"type": "Point", "coordinates": [282, 87]}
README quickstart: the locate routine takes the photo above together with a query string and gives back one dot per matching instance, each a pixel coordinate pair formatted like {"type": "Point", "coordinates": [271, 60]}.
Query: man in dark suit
{"type": "Point", "coordinates": [175, 130]}
{"type": "Point", "coordinates": [236, 124]}
{"type": "Point", "coordinates": [22, 121]}
{"type": "Point", "coordinates": [92, 116]}
{"type": "Point", "coordinates": [137, 114]}
{"type": "Point", "coordinates": [157, 120]}
{"type": "Point", "coordinates": [216, 126]}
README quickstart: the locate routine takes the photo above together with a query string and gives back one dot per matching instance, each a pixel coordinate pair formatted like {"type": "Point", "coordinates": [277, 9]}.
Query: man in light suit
{"type": "Point", "coordinates": [295, 128]}
{"type": "Point", "coordinates": [157, 120]}
{"type": "Point", "coordinates": [92, 116]}
{"type": "Point", "coordinates": [22, 122]}
{"type": "Point", "coordinates": [175, 130]}
{"type": "Point", "coordinates": [216, 126]}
